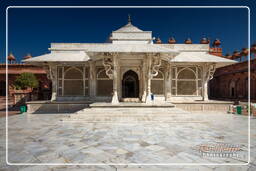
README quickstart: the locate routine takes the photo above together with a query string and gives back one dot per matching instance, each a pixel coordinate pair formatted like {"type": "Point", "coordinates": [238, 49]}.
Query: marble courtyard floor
{"type": "Point", "coordinates": [125, 136]}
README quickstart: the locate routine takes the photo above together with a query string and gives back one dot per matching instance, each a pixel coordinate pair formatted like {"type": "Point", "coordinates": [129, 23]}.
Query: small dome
{"type": "Point", "coordinates": [129, 27]}
{"type": "Point", "coordinates": [27, 56]}
{"type": "Point", "coordinates": [216, 43]}
{"type": "Point", "coordinates": [171, 40]}
{"type": "Point", "coordinates": [158, 41]}
{"type": "Point", "coordinates": [228, 56]}
{"type": "Point", "coordinates": [236, 54]}
{"type": "Point", "coordinates": [188, 41]}
{"type": "Point", "coordinates": [204, 41]}
{"type": "Point", "coordinates": [11, 57]}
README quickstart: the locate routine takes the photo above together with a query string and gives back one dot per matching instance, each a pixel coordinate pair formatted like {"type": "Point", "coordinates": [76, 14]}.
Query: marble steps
{"type": "Point", "coordinates": [133, 119]}
{"type": "Point", "coordinates": [153, 105]}
{"type": "Point", "coordinates": [132, 111]}
{"type": "Point", "coordinates": [132, 116]}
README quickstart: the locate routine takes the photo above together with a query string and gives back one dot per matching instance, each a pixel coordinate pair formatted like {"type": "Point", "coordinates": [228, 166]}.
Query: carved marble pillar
{"type": "Point", "coordinates": [115, 80]}
{"type": "Point", "coordinates": [149, 76]}
{"type": "Point", "coordinates": [205, 82]}
{"type": "Point", "coordinates": [205, 96]}
{"type": "Point", "coordinates": [92, 80]}
{"type": "Point", "coordinates": [168, 82]}
{"type": "Point", "coordinates": [144, 80]}
{"type": "Point", "coordinates": [119, 81]}
{"type": "Point", "coordinates": [52, 75]}
{"type": "Point", "coordinates": [208, 71]}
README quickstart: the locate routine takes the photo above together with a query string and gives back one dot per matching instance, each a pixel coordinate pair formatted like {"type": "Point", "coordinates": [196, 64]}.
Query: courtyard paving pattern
{"type": "Point", "coordinates": [125, 136]}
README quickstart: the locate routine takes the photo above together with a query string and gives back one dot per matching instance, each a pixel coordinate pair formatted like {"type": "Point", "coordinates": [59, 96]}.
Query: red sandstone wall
{"type": "Point", "coordinates": [220, 85]}
{"type": "Point", "coordinates": [15, 69]}
{"type": "Point", "coordinates": [216, 51]}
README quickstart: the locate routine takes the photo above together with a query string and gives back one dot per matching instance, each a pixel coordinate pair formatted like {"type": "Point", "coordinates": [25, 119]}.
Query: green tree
{"type": "Point", "coordinates": [26, 80]}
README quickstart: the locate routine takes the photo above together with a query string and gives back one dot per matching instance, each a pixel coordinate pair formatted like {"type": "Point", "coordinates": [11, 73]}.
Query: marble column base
{"type": "Point", "coordinates": [148, 99]}
{"type": "Point", "coordinates": [168, 97]}
{"type": "Point", "coordinates": [144, 97]}
{"type": "Point", "coordinates": [115, 98]}
{"type": "Point", "coordinates": [54, 96]}
{"type": "Point", "coordinates": [205, 99]}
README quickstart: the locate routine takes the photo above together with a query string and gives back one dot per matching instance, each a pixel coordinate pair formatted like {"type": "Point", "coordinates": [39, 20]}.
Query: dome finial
{"type": "Point", "coordinates": [129, 19]}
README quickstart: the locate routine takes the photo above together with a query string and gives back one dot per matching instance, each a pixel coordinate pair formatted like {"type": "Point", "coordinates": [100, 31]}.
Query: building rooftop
{"type": "Point", "coordinates": [129, 27]}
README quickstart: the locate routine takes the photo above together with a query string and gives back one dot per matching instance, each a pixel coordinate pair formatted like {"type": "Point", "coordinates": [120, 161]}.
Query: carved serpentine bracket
{"type": "Point", "coordinates": [49, 72]}
{"type": "Point", "coordinates": [211, 69]}
{"type": "Point", "coordinates": [156, 63]}
{"type": "Point", "coordinates": [108, 64]}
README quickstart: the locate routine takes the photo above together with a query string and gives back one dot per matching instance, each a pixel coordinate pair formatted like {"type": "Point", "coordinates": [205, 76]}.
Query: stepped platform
{"type": "Point", "coordinates": [75, 106]}
{"type": "Point", "coordinates": [131, 105]}
{"type": "Point", "coordinates": [131, 115]}
{"type": "Point", "coordinates": [209, 105]}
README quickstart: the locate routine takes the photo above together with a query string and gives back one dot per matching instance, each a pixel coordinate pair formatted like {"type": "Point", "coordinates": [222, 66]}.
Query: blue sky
{"type": "Point", "coordinates": [32, 30]}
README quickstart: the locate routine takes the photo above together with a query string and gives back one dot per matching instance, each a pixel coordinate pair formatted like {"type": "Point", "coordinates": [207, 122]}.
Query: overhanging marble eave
{"type": "Point", "coordinates": [201, 58]}
{"type": "Point", "coordinates": [57, 57]}
{"type": "Point", "coordinates": [120, 48]}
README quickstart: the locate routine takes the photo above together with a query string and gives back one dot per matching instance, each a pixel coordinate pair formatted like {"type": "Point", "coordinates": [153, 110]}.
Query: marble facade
{"type": "Point", "coordinates": [129, 68]}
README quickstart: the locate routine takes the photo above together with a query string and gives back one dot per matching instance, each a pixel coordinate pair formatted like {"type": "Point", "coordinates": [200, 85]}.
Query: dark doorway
{"type": "Point", "coordinates": [2, 88]}
{"type": "Point", "coordinates": [130, 85]}
{"type": "Point", "coordinates": [232, 92]}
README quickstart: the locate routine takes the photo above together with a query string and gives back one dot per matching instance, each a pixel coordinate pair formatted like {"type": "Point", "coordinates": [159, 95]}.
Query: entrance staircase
{"type": "Point", "coordinates": [131, 105]}
{"type": "Point", "coordinates": [132, 115]}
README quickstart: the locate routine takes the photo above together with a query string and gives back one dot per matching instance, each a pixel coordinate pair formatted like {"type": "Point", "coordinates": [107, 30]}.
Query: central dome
{"type": "Point", "coordinates": [129, 28]}
{"type": "Point", "coordinates": [130, 34]}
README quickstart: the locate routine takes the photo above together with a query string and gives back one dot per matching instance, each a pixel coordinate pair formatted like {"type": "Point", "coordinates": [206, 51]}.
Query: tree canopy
{"type": "Point", "coordinates": [26, 80]}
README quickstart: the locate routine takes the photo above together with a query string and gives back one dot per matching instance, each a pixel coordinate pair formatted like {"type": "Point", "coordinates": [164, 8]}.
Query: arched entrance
{"type": "Point", "coordinates": [130, 85]}
{"type": "Point", "coordinates": [232, 86]}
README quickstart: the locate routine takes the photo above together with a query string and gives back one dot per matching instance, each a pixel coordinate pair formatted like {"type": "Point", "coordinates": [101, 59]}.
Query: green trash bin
{"type": "Point", "coordinates": [23, 109]}
{"type": "Point", "coordinates": [239, 110]}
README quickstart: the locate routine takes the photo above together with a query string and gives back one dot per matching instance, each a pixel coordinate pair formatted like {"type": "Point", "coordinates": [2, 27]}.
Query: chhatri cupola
{"type": "Point", "coordinates": [130, 34]}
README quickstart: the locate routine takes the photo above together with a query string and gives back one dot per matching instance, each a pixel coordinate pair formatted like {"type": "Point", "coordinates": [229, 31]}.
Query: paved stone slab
{"type": "Point", "coordinates": [46, 138]}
